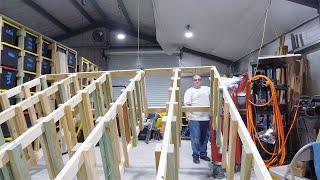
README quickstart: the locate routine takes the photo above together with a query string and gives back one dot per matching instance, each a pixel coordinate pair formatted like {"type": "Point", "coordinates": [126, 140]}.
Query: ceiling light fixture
{"type": "Point", "coordinates": [121, 36]}
{"type": "Point", "coordinates": [188, 33]}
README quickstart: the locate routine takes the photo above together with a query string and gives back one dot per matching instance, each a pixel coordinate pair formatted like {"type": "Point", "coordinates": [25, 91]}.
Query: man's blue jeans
{"type": "Point", "coordinates": [199, 132]}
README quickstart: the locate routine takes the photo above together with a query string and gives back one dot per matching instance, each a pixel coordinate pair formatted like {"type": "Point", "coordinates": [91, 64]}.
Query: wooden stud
{"type": "Point", "coordinates": [226, 121]}
{"type": "Point", "coordinates": [175, 141]}
{"type": "Point", "coordinates": [21, 128]}
{"type": "Point", "coordinates": [39, 58]}
{"type": "Point", "coordinates": [32, 114]}
{"type": "Point", "coordinates": [90, 162]}
{"type": "Point", "coordinates": [246, 164]}
{"type": "Point", "coordinates": [172, 170]}
{"type": "Point", "coordinates": [232, 148]}
{"type": "Point", "coordinates": [110, 165]}
{"type": "Point", "coordinates": [45, 106]}
{"type": "Point", "coordinates": [52, 144]}
{"type": "Point", "coordinates": [139, 104]}
{"type": "Point", "coordinates": [115, 137]}
{"type": "Point", "coordinates": [132, 118]}
{"type": "Point", "coordinates": [71, 125]}
{"type": "Point", "coordinates": [20, 74]}
{"type": "Point", "coordinates": [123, 135]}
{"type": "Point", "coordinates": [88, 122]}
{"type": "Point", "coordinates": [157, 153]}
{"type": "Point", "coordinates": [126, 122]}
{"type": "Point", "coordinates": [144, 94]}
{"type": "Point", "coordinates": [215, 102]}
{"type": "Point", "coordinates": [18, 164]}
{"type": "Point", "coordinates": [64, 96]}
{"type": "Point", "coordinates": [218, 119]}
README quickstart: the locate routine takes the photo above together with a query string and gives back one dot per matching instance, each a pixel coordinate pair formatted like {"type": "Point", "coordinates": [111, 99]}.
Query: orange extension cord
{"type": "Point", "coordinates": [278, 156]}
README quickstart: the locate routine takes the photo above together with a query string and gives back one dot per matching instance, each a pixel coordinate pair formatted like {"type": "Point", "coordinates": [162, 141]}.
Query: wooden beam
{"type": "Point", "coordinates": [18, 164]}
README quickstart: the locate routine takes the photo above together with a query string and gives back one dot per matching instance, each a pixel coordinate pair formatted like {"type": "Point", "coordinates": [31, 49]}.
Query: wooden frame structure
{"type": "Point", "coordinates": [56, 118]}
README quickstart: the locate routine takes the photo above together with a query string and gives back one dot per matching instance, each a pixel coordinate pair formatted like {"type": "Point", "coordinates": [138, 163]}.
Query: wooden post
{"type": "Point", "coordinates": [144, 94]}
{"type": "Point", "coordinates": [64, 96]}
{"type": "Point", "coordinates": [172, 170]}
{"type": "Point", "coordinates": [18, 164]}
{"type": "Point", "coordinates": [20, 74]}
{"type": "Point", "coordinates": [115, 136]}
{"type": "Point", "coordinates": [52, 145]}
{"type": "Point", "coordinates": [126, 122]}
{"type": "Point", "coordinates": [123, 134]}
{"type": "Point", "coordinates": [232, 148]}
{"type": "Point", "coordinates": [132, 118]}
{"type": "Point", "coordinates": [45, 106]}
{"type": "Point", "coordinates": [215, 102]}
{"type": "Point", "coordinates": [39, 58]}
{"type": "Point", "coordinates": [110, 163]}
{"type": "Point", "coordinates": [157, 154]}
{"type": "Point", "coordinates": [21, 128]}
{"type": "Point", "coordinates": [5, 171]}
{"type": "Point", "coordinates": [71, 125]}
{"type": "Point", "coordinates": [87, 120]}
{"type": "Point", "coordinates": [90, 162]}
{"type": "Point", "coordinates": [174, 134]}
{"type": "Point", "coordinates": [218, 119]}
{"type": "Point", "coordinates": [226, 121]}
{"type": "Point", "coordinates": [139, 104]}
{"type": "Point", "coordinates": [212, 86]}
{"type": "Point", "coordinates": [246, 163]}
{"type": "Point", "coordinates": [32, 114]}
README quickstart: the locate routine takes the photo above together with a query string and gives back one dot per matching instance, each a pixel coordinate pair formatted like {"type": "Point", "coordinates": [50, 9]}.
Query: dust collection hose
{"type": "Point", "coordinates": [278, 155]}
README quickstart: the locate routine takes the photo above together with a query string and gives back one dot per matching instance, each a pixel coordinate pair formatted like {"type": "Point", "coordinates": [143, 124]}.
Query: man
{"type": "Point", "coordinates": [198, 121]}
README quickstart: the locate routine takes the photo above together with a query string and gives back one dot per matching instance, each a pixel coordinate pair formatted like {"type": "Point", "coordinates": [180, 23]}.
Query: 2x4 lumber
{"type": "Point", "coordinates": [39, 42]}
{"type": "Point", "coordinates": [64, 96]}
{"type": "Point", "coordinates": [172, 169]}
{"type": "Point", "coordinates": [139, 103]}
{"type": "Point", "coordinates": [21, 125]}
{"type": "Point", "coordinates": [18, 164]}
{"type": "Point", "coordinates": [157, 153]}
{"type": "Point", "coordinates": [90, 162]}
{"type": "Point", "coordinates": [218, 119]}
{"type": "Point", "coordinates": [21, 33]}
{"type": "Point", "coordinates": [215, 102]}
{"type": "Point", "coordinates": [226, 122]}
{"type": "Point", "coordinates": [246, 164]}
{"type": "Point", "coordinates": [126, 122]}
{"type": "Point", "coordinates": [52, 145]}
{"type": "Point", "coordinates": [123, 134]}
{"type": "Point", "coordinates": [110, 163]}
{"type": "Point", "coordinates": [144, 94]}
{"type": "Point", "coordinates": [86, 112]}
{"type": "Point", "coordinates": [232, 149]}
{"type": "Point", "coordinates": [175, 141]}
{"type": "Point", "coordinates": [258, 165]}
{"type": "Point", "coordinates": [132, 118]}
{"type": "Point", "coordinates": [71, 124]}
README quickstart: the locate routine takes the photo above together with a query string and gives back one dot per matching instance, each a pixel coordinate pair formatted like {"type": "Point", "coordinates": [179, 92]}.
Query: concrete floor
{"type": "Point", "coordinates": [142, 164]}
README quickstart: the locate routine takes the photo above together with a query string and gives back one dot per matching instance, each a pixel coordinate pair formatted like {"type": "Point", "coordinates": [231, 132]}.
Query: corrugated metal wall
{"type": "Point", "coordinates": [157, 86]}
